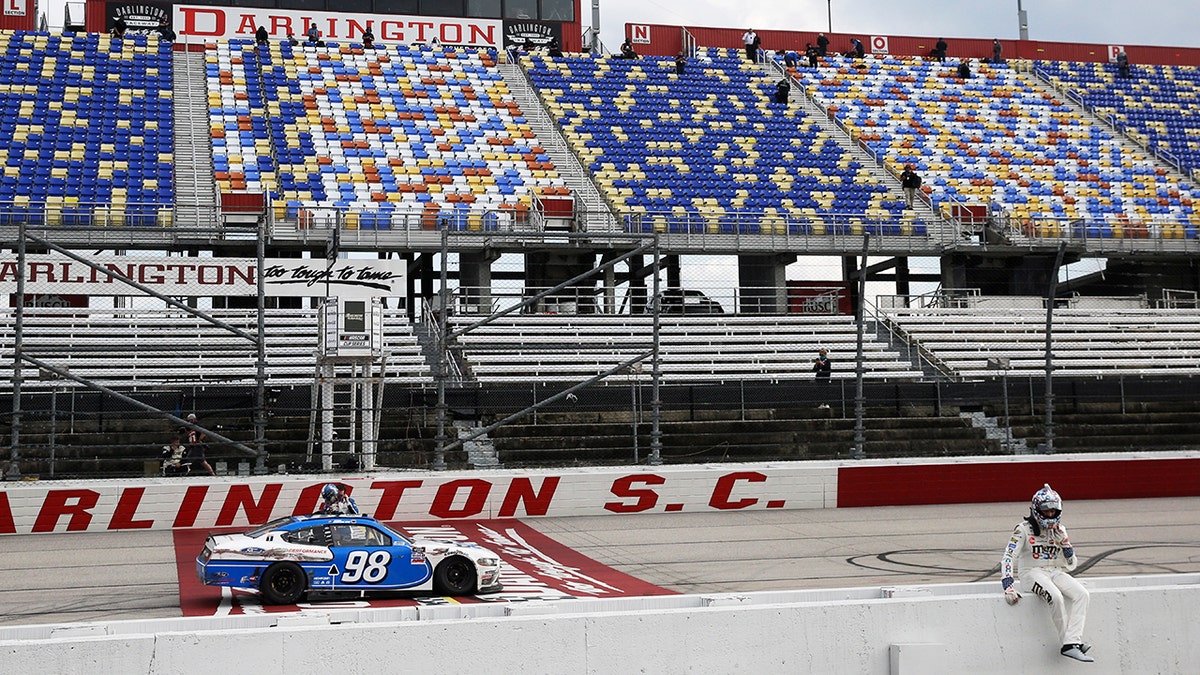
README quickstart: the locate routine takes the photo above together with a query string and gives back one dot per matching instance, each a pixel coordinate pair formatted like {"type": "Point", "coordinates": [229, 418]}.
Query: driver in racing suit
{"type": "Point", "coordinates": [337, 500]}
{"type": "Point", "coordinates": [1041, 552]}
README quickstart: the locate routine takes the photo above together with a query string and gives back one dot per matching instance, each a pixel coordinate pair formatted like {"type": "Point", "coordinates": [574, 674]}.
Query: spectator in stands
{"type": "Point", "coordinates": [119, 28]}
{"type": "Point", "coordinates": [939, 50]}
{"type": "Point", "coordinates": [857, 51]}
{"type": "Point", "coordinates": [911, 182]}
{"type": "Point", "coordinates": [291, 40]}
{"type": "Point", "coordinates": [173, 459]}
{"type": "Point", "coordinates": [368, 38]}
{"type": "Point", "coordinates": [791, 59]}
{"type": "Point", "coordinates": [964, 70]}
{"type": "Point", "coordinates": [680, 63]}
{"type": "Point", "coordinates": [627, 51]}
{"type": "Point", "coordinates": [782, 89]}
{"type": "Point", "coordinates": [997, 51]}
{"type": "Point", "coordinates": [554, 49]}
{"type": "Point", "coordinates": [823, 367]}
{"type": "Point", "coordinates": [194, 442]}
{"type": "Point", "coordinates": [813, 53]}
{"type": "Point", "coordinates": [165, 33]}
{"type": "Point", "coordinates": [1122, 63]}
{"type": "Point", "coordinates": [752, 42]}
{"type": "Point", "coordinates": [822, 45]}
{"type": "Point", "coordinates": [314, 35]}
{"type": "Point", "coordinates": [261, 36]}
{"type": "Point", "coordinates": [1040, 555]}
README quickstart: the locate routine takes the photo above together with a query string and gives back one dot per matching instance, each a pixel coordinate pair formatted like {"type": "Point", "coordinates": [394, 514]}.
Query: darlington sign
{"type": "Point", "coordinates": [347, 278]}
{"type": "Point", "coordinates": [26, 509]}
{"type": "Point", "coordinates": [233, 22]}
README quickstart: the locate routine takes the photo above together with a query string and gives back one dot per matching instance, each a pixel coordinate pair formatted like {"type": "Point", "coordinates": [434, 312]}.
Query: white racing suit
{"type": "Point", "coordinates": [1041, 560]}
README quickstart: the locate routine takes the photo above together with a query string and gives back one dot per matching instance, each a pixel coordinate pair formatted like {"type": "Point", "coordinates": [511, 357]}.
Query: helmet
{"type": "Point", "coordinates": [1046, 508]}
{"type": "Point", "coordinates": [191, 417]}
{"type": "Point", "coordinates": [329, 492]}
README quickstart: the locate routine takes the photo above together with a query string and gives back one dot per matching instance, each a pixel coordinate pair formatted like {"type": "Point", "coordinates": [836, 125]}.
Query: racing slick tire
{"type": "Point", "coordinates": [283, 583]}
{"type": "Point", "coordinates": [455, 576]}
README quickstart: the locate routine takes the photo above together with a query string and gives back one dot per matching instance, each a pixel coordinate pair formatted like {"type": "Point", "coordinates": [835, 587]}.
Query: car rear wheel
{"type": "Point", "coordinates": [455, 576]}
{"type": "Point", "coordinates": [283, 583]}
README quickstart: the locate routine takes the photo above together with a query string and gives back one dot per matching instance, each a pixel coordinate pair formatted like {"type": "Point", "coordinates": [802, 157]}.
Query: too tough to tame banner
{"type": "Point", "coordinates": [57, 274]}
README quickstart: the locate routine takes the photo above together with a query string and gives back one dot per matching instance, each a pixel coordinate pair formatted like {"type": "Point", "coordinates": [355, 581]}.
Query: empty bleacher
{"type": "Point", "coordinates": [995, 138]}
{"type": "Point", "coordinates": [394, 137]}
{"type": "Point", "coordinates": [86, 129]}
{"type": "Point", "coordinates": [1085, 342]}
{"type": "Point", "coordinates": [544, 348]}
{"type": "Point", "coordinates": [709, 151]}
{"type": "Point", "coordinates": [139, 348]}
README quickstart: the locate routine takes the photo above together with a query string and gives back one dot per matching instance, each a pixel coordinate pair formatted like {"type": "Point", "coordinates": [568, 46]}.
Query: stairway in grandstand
{"type": "Point", "coordinates": [1155, 104]}
{"type": "Point", "coordinates": [195, 188]}
{"type": "Point", "coordinates": [596, 215]}
{"type": "Point", "coordinates": [707, 151]}
{"type": "Point", "coordinates": [394, 136]}
{"type": "Point", "coordinates": [970, 342]}
{"type": "Point", "coordinates": [938, 228]}
{"type": "Point", "coordinates": [997, 138]}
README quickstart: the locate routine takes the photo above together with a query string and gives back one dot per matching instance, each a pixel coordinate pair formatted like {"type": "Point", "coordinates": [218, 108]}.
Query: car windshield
{"type": "Point", "coordinates": [273, 525]}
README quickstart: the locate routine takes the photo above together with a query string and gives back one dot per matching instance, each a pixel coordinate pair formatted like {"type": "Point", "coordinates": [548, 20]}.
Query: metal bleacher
{"type": "Point", "coordinates": [547, 348]}
{"type": "Point", "coordinates": [146, 349]}
{"type": "Point", "coordinates": [1085, 342]}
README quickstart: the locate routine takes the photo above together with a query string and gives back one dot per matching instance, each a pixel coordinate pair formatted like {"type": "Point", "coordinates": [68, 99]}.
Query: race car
{"type": "Point", "coordinates": [290, 557]}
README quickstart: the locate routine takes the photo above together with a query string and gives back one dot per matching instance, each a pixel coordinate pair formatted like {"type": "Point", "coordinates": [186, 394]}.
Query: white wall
{"type": "Point", "coordinates": [961, 628]}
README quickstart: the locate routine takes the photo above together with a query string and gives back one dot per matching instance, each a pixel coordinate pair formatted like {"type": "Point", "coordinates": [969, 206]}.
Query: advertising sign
{"type": "Point", "coordinates": [59, 275]}
{"type": "Point", "coordinates": [211, 21]}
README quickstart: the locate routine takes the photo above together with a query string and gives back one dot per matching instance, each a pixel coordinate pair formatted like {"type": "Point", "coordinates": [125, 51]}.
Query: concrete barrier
{"type": "Point", "coordinates": [1136, 624]}
{"type": "Point", "coordinates": [172, 503]}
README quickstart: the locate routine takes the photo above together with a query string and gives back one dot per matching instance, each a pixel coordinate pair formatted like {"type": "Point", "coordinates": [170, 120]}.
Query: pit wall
{"type": "Point", "coordinates": [35, 507]}
{"type": "Point", "coordinates": [1136, 625]}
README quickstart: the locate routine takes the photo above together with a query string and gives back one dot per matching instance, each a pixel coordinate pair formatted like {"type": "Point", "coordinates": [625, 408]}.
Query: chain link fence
{"type": "Point", "coordinates": [546, 353]}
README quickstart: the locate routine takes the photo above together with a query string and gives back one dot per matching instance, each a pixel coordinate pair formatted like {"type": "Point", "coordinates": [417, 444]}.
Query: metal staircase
{"type": "Point", "coordinates": [195, 187]}
{"type": "Point", "coordinates": [938, 228]}
{"type": "Point", "coordinates": [593, 212]}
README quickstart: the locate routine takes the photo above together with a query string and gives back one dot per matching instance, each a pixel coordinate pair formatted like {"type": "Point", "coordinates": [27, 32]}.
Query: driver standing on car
{"type": "Point", "coordinates": [337, 500]}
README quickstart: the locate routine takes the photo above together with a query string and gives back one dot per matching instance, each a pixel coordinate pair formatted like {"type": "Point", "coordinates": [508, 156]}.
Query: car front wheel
{"type": "Point", "coordinates": [455, 576]}
{"type": "Point", "coordinates": [283, 583]}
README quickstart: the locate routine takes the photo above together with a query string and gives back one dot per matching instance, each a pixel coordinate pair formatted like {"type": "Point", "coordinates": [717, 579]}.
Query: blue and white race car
{"type": "Point", "coordinates": [292, 556]}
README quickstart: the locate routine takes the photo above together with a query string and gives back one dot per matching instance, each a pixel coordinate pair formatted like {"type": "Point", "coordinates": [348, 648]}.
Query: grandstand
{"type": "Point", "coordinates": [477, 170]}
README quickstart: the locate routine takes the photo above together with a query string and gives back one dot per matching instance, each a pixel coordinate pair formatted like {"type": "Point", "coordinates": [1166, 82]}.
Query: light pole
{"type": "Point", "coordinates": [829, 12]}
{"type": "Point", "coordinates": [1022, 22]}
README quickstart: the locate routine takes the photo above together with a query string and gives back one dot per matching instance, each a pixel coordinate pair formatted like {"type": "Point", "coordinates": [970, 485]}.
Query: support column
{"type": "Point", "coordinates": [475, 280]}
{"type": "Point", "coordinates": [762, 283]}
